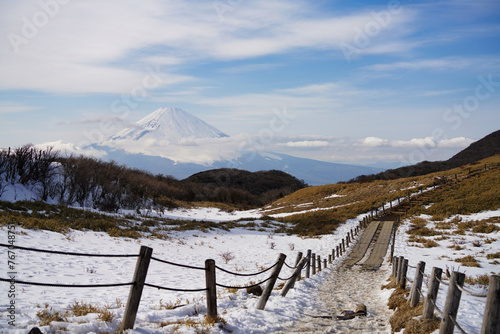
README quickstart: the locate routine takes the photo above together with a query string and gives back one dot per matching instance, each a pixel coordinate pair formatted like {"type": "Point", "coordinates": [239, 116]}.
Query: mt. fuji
{"type": "Point", "coordinates": [170, 125]}
{"type": "Point", "coordinates": [173, 142]}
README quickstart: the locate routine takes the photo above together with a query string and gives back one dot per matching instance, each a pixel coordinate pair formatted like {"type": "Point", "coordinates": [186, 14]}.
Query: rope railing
{"type": "Point", "coordinates": [174, 289]}
{"type": "Point", "coordinates": [177, 264]}
{"type": "Point", "coordinates": [60, 285]}
{"type": "Point", "coordinates": [456, 324]}
{"type": "Point", "coordinates": [471, 293]}
{"type": "Point", "coordinates": [246, 275]}
{"type": "Point", "coordinates": [243, 287]}
{"type": "Point", "coordinates": [67, 253]}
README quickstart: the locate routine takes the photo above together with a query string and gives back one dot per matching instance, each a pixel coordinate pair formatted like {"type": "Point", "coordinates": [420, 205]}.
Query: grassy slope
{"type": "Point", "coordinates": [475, 192]}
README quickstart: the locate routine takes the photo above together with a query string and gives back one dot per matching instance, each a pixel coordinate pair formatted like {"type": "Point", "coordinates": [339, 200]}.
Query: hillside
{"type": "Point", "coordinates": [256, 183]}
{"type": "Point", "coordinates": [481, 149]}
{"type": "Point", "coordinates": [33, 174]}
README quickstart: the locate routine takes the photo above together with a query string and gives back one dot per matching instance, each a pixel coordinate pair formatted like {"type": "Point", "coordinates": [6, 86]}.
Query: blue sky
{"type": "Point", "coordinates": [340, 81]}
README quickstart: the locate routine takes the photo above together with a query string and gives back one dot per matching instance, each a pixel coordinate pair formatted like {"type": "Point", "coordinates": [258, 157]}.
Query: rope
{"type": "Point", "coordinates": [457, 325]}
{"type": "Point", "coordinates": [285, 279]}
{"type": "Point", "coordinates": [239, 274]}
{"type": "Point", "coordinates": [442, 282]}
{"type": "Point", "coordinates": [177, 264]}
{"type": "Point", "coordinates": [436, 308]}
{"type": "Point", "coordinates": [289, 266]}
{"type": "Point", "coordinates": [243, 287]}
{"type": "Point", "coordinates": [409, 279]}
{"type": "Point", "coordinates": [412, 267]}
{"type": "Point", "coordinates": [471, 293]}
{"type": "Point", "coordinates": [58, 285]}
{"type": "Point", "coordinates": [172, 289]}
{"type": "Point", "coordinates": [68, 253]}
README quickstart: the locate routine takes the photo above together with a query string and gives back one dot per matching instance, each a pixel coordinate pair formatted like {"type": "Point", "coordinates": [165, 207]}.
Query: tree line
{"type": "Point", "coordinates": [108, 186]}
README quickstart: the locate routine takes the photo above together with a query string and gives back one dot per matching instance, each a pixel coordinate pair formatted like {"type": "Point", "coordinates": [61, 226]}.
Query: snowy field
{"type": "Point", "coordinates": [251, 251]}
{"type": "Point", "coordinates": [478, 245]}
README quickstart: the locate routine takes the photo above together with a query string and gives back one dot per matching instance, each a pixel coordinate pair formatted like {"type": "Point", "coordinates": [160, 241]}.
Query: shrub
{"type": "Point", "coordinates": [468, 261]}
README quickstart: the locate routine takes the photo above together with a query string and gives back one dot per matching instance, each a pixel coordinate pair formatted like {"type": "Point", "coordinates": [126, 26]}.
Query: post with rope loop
{"type": "Point", "coordinates": [313, 264]}
{"type": "Point", "coordinates": [491, 319]}
{"type": "Point", "coordinates": [291, 282]}
{"type": "Point", "coordinates": [211, 289]}
{"type": "Point", "coordinates": [297, 261]}
{"type": "Point", "coordinates": [270, 284]}
{"type": "Point", "coordinates": [417, 284]}
{"type": "Point", "coordinates": [395, 263]}
{"type": "Point", "coordinates": [308, 264]}
{"type": "Point", "coordinates": [432, 293]}
{"type": "Point", "coordinates": [400, 268]}
{"type": "Point", "coordinates": [404, 270]}
{"type": "Point", "coordinates": [134, 297]}
{"type": "Point", "coordinates": [452, 303]}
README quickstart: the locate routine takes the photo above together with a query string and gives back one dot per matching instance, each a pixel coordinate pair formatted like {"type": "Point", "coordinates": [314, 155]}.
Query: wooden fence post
{"type": "Point", "coordinates": [347, 240]}
{"type": "Point", "coordinates": [319, 263]}
{"type": "Point", "coordinates": [297, 261]}
{"type": "Point", "coordinates": [338, 251]}
{"type": "Point", "coordinates": [395, 264]}
{"type": "Point", "coordinates": [417, 284]}
{"type": "Point", "coordinates": [452, 303]}
{"type": "Point", "coordinates": [329, 258]}
{"type": "Point", "coordinates": [308, 264]}
{"type": "Point", "coordinates": [491, 319]}
{"type": "Point", "coordinates": [343, 245]}
{"type": "Point", "coordinates": [211, 289]}
{"type": "Point", "coordinates": [400, 268]}
{"type": "Point", "coordinates": [324, 263]}
{"type": "Point", "coordinates": [313, 264]}
{"type": "Point", "coordinates": [393, 242]}
{"type": "Point", "coordinates": [134, 296]}
{"type": "Point", "coordinates": [270, 284]}
{"type": "Point", "coordinates": [291, 282]}
{"type": "Point", "coordinates": [402, 282]}
{"type": "Point", "coordinates": [430, 300]}
{"type": "Point", "coordinates": [333, 254]}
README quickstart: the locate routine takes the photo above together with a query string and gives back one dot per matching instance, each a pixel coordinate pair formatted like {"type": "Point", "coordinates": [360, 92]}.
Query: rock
{"type": "Point", "coordinates": [35, 330]}
{"type": "Point", "coordinates": [255, 290]}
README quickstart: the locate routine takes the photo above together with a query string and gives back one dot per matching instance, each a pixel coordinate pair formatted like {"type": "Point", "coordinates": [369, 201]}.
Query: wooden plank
{"type": "Point", "coordinates": [360, 248]}
{"type": "Point", "coordinates": [380, 249]}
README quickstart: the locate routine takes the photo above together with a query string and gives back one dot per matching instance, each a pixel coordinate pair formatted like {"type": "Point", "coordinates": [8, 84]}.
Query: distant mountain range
{"type": "Point", "coordinates": [173, 142]}
{"type": "Point", "coordinates": [478, 150]}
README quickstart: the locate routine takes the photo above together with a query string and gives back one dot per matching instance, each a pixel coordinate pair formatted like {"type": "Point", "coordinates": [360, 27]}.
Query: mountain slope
{"type": "Point", "coordinates": [478, 150]}
{"type": "Point", "coordinates": [170, 125]}
{"type": "Point", "coordinates": [173, 142]}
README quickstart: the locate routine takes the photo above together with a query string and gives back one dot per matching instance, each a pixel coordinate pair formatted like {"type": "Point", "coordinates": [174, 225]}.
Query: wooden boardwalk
{"type": "Point", "coordinates": [359, 249]}
{"type": "Point", "coordinates": [377, 236]}
{"type": "Point", "coordinates": [380, 248]}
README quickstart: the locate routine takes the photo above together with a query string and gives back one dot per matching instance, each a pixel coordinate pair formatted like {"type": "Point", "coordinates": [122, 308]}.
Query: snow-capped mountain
{"type": "Point", "coordinates": [169, 125]}
{"type": "Point", "coordinates": [173, 142]}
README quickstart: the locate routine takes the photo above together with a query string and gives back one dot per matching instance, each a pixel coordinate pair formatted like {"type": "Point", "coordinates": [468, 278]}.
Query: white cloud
{"type": "Point", "coordinates": [374, 142]}
{"type": "Point", "coordinates": [96, 46]}
{"type": "Point", "coordinates": [458, 142]}
{"type": "Point", "coordinates": [307, 143]}
{"type": "Point", "coordinates": [14, 107]}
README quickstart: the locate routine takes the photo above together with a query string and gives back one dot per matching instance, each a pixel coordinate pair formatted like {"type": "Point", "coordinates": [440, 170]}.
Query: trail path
{"type": "Point", "coordinates": [349, 284]}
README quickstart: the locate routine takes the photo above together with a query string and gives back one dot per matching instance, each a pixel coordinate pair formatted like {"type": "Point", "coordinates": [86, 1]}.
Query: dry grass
{"type": "Point", "coordinates": [47, 315]}
{"type": "Point", "coordinates": [468, 261]}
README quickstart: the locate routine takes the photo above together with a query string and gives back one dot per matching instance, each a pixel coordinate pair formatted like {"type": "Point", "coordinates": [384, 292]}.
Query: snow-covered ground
{"type": "Point", "coordinates": [478, 245]}
{"type": "Point", "coordinates": [252, 250]}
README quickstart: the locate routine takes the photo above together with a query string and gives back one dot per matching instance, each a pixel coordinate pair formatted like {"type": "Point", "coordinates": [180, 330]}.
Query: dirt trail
{"type": "Point", "coordinates": [344, 289]}
{"type": "Point", "coordinates": [347, 285]}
